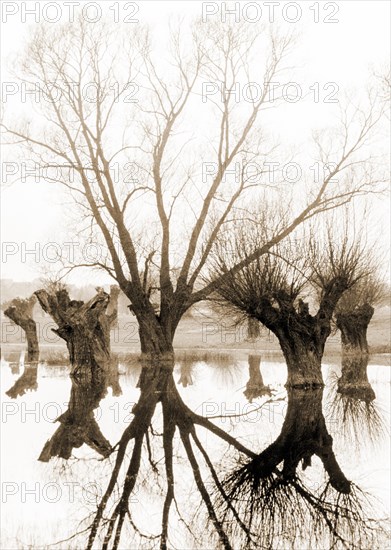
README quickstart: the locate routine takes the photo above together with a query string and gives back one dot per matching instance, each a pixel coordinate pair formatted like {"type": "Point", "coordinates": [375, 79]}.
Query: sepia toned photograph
{"type": "Point", "coordinates": [195, 275]}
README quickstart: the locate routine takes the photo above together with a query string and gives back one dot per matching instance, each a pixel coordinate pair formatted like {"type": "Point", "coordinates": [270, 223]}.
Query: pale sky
{"type": "Point", "coordinates": [342, 52]}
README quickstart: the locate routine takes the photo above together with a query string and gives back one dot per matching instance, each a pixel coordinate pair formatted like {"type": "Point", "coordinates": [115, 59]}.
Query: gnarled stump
{"type": "Point", "coordinates": [20, 311]}
{"type": "Point", "coordinates": [84, 327]}
{"type": "Point", "coordinates": [255, 386]}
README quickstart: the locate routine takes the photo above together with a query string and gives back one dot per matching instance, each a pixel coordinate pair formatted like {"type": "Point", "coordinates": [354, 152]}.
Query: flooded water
{"type": "Point", "coordinates": [52, 503]}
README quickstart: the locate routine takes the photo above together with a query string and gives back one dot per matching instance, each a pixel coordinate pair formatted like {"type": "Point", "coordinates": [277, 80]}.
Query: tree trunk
{"type": "Point", "coordinates": [353, 326]}
{"type": "Point", "coordinates": [20, 312]}
{"type": "Point", "coordinates": [354, 379]}
{"type": "Point", "coordinates": [84, 327]}
{"type": "Point", "coordinates": [303, 355]}
{"type": "Point", "coordinates": [255, 386]}
{"type": "Point", "coordinates": [155, 339]}
{"type": "Point", "coordinates": [157, 330]}
{"type": "Point", "coordinates": [302, 336]}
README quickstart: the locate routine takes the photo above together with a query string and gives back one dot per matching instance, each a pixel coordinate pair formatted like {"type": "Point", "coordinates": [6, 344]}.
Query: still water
{"type": "Point", "coordinates": [51, 504]}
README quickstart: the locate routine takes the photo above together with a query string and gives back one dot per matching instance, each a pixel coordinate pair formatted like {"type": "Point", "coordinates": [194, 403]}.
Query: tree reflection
{"type": "Point", "coordinates": [157, 386]}
{"type": "Point", "coordinates": [26, 382]}
{"type": "Point", "coordinates": [78, 424]}
{"type": "Point", "coordinates": [262, 502]}
{"type": "Point", "coordinates": [187, 364]}
{"type": "Point", "coordinates": [352, 406]}
{"type": "Point", "coordinates": [276, 503]}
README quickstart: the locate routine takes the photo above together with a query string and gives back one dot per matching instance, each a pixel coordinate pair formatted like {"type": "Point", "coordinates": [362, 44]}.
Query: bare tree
{"type": "Point", "coordinates": [271, 289]}
{"type": "Point", "coordinates": [88, 77]}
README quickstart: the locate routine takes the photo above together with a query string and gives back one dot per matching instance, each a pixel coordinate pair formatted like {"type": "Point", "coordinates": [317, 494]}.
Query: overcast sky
{"type": "Point", "coordinates": [340, 52]}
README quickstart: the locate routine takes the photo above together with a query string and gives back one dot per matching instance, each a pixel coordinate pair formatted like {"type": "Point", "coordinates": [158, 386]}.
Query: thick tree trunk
{"type": "Point", "coordinates": [355, 355]}
{"type": "Point", "coordinates": [353, 326]}
{"type": "Point", "coordinates": [303, 355]}
{"type": "Point", "coordinates": [157, 330]}
{"type": "Point", "coordinates": [156, 340]}
{"type": "Point", "coordinates": [255, 386]}
{"type": "Point", "coordinates": [302, 336]}
{"type": "Point", "coordinates": [20, 312]}
{"type": "Point", "coordinates": [84, 327]}
{"type": "Point", "coordinates": [354, 379]}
